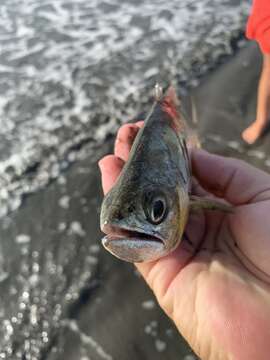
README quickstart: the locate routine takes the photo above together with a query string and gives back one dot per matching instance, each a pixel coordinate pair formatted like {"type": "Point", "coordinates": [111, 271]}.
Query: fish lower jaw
{"type": "Point", "coordinates": [132, 245]}
{"type": "Point", "coordinates": [134, 249]}
{"type": "Point", "coordinates": [115, 232]}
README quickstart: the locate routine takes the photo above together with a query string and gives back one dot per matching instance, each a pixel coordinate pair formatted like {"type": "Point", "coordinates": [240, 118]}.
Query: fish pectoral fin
{"type": "Point", "coordinates": [198, 203]}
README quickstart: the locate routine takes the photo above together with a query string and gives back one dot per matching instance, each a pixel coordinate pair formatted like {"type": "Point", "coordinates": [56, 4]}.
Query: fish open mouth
{"type": "Point", "coordinates": [132, 245]}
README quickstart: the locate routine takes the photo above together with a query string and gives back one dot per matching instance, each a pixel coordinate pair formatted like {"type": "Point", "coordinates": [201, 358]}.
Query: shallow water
{"type": "Point", "coordinates": [71, 71]}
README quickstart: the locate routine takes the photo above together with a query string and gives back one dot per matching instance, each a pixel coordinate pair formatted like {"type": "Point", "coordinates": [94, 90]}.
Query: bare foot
{"type": "Point", "coordinates": [252, 133]}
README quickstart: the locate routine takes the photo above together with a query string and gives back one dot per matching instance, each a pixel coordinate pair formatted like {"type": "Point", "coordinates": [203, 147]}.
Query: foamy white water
{"type": "Point", "coordinates": [71, 71]}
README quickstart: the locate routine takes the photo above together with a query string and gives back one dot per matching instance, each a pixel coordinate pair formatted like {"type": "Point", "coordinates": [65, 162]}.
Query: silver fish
{"type": "Point", "coordinates": [144, 215]}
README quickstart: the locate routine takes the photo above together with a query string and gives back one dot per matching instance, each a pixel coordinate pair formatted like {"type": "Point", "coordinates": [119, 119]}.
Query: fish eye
{"type": "Point", "coordinates": [155, 208]}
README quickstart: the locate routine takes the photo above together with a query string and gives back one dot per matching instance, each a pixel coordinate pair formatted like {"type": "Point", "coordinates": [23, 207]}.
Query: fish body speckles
{"type": "Point", "coordinates": [144, 215]}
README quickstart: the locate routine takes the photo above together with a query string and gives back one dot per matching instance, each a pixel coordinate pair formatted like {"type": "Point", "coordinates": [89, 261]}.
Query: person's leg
{"type": "Point", "coordinates": [253, 132]}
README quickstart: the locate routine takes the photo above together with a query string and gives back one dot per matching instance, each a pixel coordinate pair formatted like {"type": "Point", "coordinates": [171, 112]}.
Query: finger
{"type": "Point", "coordinates": [195, 230]}
{"type": "Point", "coordinates": [232, 179]}
{"type": "Point", "coordinates": [110, 167]}
{"type": "Point", "coordinates": [140, 123]}
{"type": "Point", "coordinates": [160, 274]}
{"type": "Point", "coordinates": [197, 189]}
{"type": "Point", "coordinates": [124, 140]}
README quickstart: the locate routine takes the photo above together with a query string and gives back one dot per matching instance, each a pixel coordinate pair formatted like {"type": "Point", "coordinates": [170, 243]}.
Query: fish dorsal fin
{"type": "Point", "coordinates": [158, 92]}
{"type": "Point", "coordinates": [167, 103]}
{"type": "Point", "coordinates": [170, 104]}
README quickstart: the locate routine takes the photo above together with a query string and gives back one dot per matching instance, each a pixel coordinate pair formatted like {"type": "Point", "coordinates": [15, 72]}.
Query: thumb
{"type": "Point", "coordinates": [110, 167]}
{"type": "Point", "coordinates": [232, 179]}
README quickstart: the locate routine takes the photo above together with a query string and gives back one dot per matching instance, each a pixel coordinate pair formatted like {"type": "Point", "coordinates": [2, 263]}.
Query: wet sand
{"type": "Point", "coordinates": [116, 316]}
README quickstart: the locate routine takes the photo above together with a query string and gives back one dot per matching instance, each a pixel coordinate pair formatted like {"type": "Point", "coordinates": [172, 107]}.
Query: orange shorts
{"type": "Point", "coordinates": [258, 25]}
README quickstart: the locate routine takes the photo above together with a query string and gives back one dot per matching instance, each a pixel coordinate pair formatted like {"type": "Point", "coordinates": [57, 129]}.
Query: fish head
{"type": "Point", "coordinates": [145, 213]}
{"type": "Point", "coordinates": [143, 224]}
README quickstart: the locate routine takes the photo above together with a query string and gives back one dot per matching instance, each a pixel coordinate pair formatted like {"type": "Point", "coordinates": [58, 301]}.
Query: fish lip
{"type": "Point", "coordinates": [124, 232]}
{"type": "Point", "coordinates": [132, 245]}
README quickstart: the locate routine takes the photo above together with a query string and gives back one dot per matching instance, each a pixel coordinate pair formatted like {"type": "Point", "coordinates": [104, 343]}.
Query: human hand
{"type": "Point", "coordinates": [216, 285]}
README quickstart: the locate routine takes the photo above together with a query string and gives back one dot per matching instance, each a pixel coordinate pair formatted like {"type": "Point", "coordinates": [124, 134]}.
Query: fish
{"type": "Point", "coordinates": [145, 214]}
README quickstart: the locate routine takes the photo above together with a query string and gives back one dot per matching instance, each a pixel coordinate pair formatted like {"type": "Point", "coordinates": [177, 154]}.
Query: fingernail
{"type": "Point", "coordinates": [100, 164]}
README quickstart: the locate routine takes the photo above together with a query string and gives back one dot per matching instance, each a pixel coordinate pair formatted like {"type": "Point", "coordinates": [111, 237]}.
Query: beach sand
{"type": "Point", "coordinates": [116, 316]}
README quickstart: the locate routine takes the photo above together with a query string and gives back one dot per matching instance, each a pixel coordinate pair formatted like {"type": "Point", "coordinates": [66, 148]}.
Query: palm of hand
{"type": "Point", "coordinates": [215, 286]}
{"type": "Point", "coordinates": [219, 299]}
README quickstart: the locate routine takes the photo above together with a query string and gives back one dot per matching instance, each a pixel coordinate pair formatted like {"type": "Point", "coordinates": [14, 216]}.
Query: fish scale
{"type": "Point", "coordinates": [145, 213]}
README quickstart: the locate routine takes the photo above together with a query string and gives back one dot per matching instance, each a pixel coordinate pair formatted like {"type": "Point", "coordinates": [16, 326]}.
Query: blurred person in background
{"type": "Point", "coordinates": [258, 28]}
